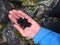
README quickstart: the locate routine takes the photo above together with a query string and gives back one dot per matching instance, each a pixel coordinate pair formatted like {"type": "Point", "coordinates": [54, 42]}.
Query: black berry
{"type": "Point", "coordinates": [23, 22]}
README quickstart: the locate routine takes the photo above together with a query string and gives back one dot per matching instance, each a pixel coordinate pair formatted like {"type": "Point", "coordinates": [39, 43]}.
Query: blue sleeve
{"type": "Point", "coordinates": [47, 37]}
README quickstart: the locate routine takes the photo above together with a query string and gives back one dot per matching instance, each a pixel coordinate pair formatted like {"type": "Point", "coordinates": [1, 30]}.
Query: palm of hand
{"type": "Point", "coordinates": [29, 32]}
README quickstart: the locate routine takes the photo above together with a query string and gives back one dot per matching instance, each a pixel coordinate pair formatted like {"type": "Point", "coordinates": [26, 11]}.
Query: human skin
{"type": "Point", "coordinates": [28, 32]}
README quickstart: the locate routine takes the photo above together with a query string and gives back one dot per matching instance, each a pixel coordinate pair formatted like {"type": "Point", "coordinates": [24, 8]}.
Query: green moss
{"type": "Point", "coordinates": [2, 27]}
{"type": "Point", "coordinates": [36, 19]}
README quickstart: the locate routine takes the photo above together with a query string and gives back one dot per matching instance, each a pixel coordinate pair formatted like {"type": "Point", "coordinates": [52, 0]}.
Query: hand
{"type": "Point", "coordinates": [29, 32]}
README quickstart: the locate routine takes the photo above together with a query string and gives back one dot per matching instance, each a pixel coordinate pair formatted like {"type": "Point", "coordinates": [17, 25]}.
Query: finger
{"type": "Point", "coordinates": [21, 13]}
{"type": "Point", "coordinates": [19, 29]}
{"type": "Point", "coordinates": [26, 16]}
{"type": "Point", "coordinates": [14, 14]}
{"type": "Point", "coordinates": [17, 13]}
{"type": "Point", "coordinates": [13, 19]}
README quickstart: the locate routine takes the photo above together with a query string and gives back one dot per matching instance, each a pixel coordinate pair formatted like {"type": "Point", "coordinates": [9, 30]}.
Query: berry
{"type": "Point", "coordinates": [23, 22]}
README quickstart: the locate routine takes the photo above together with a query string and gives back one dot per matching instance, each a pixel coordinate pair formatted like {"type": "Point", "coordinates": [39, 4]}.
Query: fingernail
{"type": "Point", "coordinates": [8, 15]}
{"type": "Point", "coordinates": [14, 10]}
{"type": "Point", "coordinates": [10, 11]}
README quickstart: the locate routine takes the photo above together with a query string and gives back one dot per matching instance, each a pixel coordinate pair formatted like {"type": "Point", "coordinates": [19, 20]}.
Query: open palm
{"type": "Point", "coordinates": [29, 32]}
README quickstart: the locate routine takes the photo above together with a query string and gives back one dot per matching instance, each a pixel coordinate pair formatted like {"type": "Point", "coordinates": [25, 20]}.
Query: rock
{"type": "Point", "coordinates": [5, 6]}
{"type": "Point", "coordinates": [9, 35]}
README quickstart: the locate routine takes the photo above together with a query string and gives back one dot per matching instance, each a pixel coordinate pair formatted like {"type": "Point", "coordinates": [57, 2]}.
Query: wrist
{"type": "Point", "coordinates": [37, 30]}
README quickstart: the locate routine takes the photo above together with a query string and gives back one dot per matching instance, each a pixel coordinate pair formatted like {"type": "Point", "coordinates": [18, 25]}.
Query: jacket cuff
{"type": "Point", "coordinates": [41, 34]}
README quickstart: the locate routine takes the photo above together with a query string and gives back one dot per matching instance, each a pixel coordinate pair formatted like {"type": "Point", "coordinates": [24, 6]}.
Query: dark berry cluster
{"type": "Point", "coordinates": [23, 22]}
